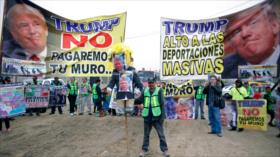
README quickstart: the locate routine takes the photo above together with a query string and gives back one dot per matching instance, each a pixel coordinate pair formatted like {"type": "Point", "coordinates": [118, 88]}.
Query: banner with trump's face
{"type": "Point", "coordinates": [38, 42]}
{"type": "Point", "coordinates": [193, 49]}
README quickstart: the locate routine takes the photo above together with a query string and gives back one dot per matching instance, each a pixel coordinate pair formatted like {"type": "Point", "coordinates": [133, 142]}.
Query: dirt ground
{"type": "Point", "coordinates": [90, 136]}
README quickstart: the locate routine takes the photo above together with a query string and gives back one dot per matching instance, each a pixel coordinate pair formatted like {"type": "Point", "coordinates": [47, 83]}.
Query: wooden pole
{"type": "Point", "coordinates": [126, 129]}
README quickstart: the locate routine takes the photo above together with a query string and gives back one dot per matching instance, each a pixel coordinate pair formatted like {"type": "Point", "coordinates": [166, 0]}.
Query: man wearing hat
{"type": "Point", "coordinates": [238, 93]}
{"type": "Point", "coordinates": [153, 114]}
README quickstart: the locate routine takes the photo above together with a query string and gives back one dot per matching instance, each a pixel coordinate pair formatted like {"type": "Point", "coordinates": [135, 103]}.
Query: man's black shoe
{"type": "Point", "coordinates": [240, 130]}
{"type": "Point", "coordinates": [232, 129]}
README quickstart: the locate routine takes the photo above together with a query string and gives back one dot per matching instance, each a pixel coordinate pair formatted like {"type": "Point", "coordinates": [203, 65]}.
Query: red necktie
{"type": "Point", "coordinates": [35, 58]}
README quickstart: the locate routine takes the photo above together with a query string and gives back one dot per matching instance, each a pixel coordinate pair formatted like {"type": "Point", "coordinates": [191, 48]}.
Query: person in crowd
{"type": "Point", "coordinates": [213, 90]}
{"type": "Point", "coordinates": [56, 82]}
{"type": "Point", "coordinates": [122, 60]}
{"type": "Point", "coordinates": [276, 95]}
{"type": "Point", "coordinates": [249, 90]}
{"type": "Point", "coordinates": [154, 115]}
{"type": "Point", "coordinates": [6, 119]}
{"type": "Point", "coordinates": [199, 100]}
{"type": "Point", "coordinates": [258, 93]}
{"type": "Point", "coordinates": [97, 97]}
{"type": "Point", "coordinates": [237, 93]}
{"type": "Point", "coordinates": [85, 91]}
{"type": "Point", "coordinates": [35, 110]}
{"type": "Point", "coordinates": [253, 35]}
{"type": "Point", "coordinates": [29, 31]}
{"type": "Point", "coordinates": [72, 94]}
{"type": "Point", "coordinates": [270, 105]}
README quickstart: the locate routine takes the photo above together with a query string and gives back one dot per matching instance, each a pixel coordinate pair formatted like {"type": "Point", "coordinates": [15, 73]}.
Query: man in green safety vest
{"type": "Point", "coordinates": [97, 97]}
{"type": "Point", "coordinates": [72, 94]}
{"type": "Point", "coordinates": [154, 115]}
{"type": "Point", "coordinates": [199, 100]}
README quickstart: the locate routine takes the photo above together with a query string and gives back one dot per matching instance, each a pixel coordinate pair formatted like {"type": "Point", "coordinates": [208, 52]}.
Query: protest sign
{"type": "Point", "coordinates": [64, 47]}
{"type": "Point", "coordinates": [36, 96]}
{"type": "Point", "coordinates": [183, 90]}
{"type": "Point", "coordinates": [57, 95]}
{"type": "Point", "coordinates": [257, 72]}
{"type": "Point", "coordinates": [12, 101]}
{"type": "Point", "coordinates": [252, 114]}
{"type": "Point", "coordinates": [191, 49]}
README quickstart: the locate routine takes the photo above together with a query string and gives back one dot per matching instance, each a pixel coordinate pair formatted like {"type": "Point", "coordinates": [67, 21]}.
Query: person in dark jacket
{"type": "Point", "coordinates": [121, 58]}
{"type": "Point", "coordinates": [56, 82]}
{"type": "Point", "coordinates": [213, 90]}
{"type": "Point", "coordinates": [154, 115]}
{"type": "Point", "coordinates": [6, 119]}
{"type": "Point", "coordinates": [97, 97]}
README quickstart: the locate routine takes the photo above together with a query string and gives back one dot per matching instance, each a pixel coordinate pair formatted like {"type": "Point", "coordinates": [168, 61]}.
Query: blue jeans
{"type": "Point", "coordinates": [199, 104]}
{"type": "Point", "coordinates": [215, 119]}
{"type": "Point", "coordinates": [158, 125]}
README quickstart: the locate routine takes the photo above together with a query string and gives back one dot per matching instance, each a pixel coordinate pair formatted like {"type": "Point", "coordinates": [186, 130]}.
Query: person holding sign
{"type": "Point", "coordinates": [72, 94]}
{"type": "Point", "coordinates": [84, 92]}
{"type": "Point", "coordinates": [6, 119]}
{"type": "Point", "coordinates": [213, 90]}
{"type": "Point", "coordinates": [154, 115]}
{"type": "Point", "coordinates": [238, 92]}
{"type": "Point", "coordinates": [29, 31]}
{"type": "Point", "coordinates": [254, 36]}
{"type": "Point", "coordinates": [36, 110]}
{"type": "Point", "coordinates": [56, 82]}
{"type": "Point", "coordinates": [124, 76]}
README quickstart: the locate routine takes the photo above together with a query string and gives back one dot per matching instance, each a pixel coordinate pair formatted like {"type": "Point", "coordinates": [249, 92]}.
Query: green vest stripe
{"type": "Point", "coordinates": [73, 89]}
{"type": "Point", "coordinates": [94, 92]}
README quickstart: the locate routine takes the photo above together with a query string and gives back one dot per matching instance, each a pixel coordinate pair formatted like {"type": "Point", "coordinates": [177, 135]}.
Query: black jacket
{"type": "Point", "coordinates": [115, 81]}
{"type": "Point", "coordinates": [212, 92]}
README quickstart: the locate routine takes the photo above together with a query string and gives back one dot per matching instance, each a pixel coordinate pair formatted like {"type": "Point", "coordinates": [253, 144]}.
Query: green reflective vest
{"type": "Point", "coordinates": [73, 89]}
{"type": "Point", "coordinates": [151, 100]}
{"type": "Point", "coordinates": [199, 93]}
{"type": "Point", "coordinates": [94, 92]}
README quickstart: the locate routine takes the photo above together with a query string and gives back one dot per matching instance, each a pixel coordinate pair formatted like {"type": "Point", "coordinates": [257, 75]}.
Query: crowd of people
{"type": "Point", "coordinates": [151, 103]}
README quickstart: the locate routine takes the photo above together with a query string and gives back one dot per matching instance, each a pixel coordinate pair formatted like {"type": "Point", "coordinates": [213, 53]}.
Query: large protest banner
{"type": "Point", "coordinates": [191, 49]}
{"type": "Point", "coordinates": [179, 100]}
{"type": "Point", "coordinates": [36, 96]}
{"type": "Point", "coordinates": [57, 46]}
{"type": "Point", "coordinates": [252, 114]}
{"type": "Point", "coordinates": [252, 38]}
{"type": "Point", "coordinates": [12, 101]}
{"type": "Point", "coordinates": [57, 96]}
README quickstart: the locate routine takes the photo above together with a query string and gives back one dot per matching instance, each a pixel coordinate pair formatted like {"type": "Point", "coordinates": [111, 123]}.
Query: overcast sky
{"type": "Point", "coordinates": [143, 19]}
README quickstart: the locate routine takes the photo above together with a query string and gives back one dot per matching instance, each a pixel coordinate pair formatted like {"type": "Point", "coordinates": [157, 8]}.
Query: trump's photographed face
{"type": "Point", "coordinates": [30, 32]}
{"type": "Point", "coordinates": [255, 36]}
